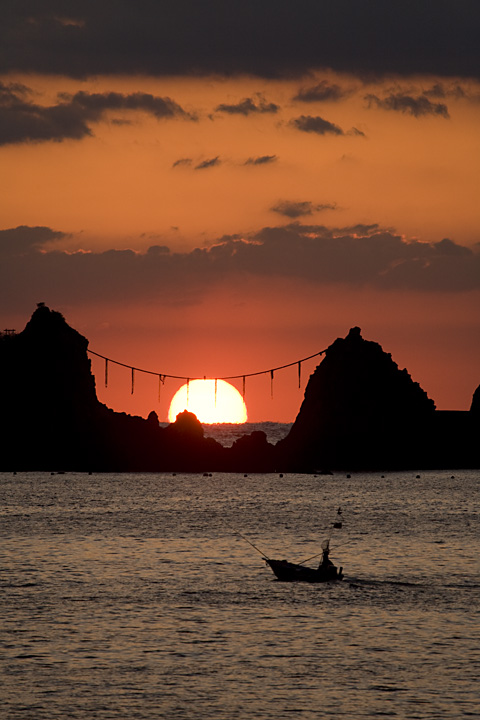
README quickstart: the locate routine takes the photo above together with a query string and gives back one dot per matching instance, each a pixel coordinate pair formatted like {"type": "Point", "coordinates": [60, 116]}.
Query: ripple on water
{"type": "Point", "coordinates": [131, 596]}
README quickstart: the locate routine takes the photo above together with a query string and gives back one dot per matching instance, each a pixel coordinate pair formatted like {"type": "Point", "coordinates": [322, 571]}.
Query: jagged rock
{"type": "Point", "coordinates": [187, 424]}
{"type": "Point", "coordinates": [48, 394]}
{"type": "Point", "coordinates": [153, 418]}
{"type": "Point", "coordinates": [361, 412]}
{"type": "Point", "coordinates": [475, 406]}
{"type": "Point", "coordinates": [52, 418]}
{"type": "Point", "coordinates": [253, 453]}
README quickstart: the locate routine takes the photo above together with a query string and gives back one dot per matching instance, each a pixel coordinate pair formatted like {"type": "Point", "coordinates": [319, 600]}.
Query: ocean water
{"type": "Point", "coordinates": [134, 596]}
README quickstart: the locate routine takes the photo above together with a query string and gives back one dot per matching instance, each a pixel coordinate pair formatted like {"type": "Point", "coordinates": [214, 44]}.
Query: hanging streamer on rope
{"type": "Point", "coordinates": [243, 388]}
{"type": "Point", "coordinates": [243, 376]}
{"type": "Point", "coordinates": [161, 381]}
{"type": "Point", "coordinates": [299, 374]}
{"type": "Point", "coordinates": [188, 390]}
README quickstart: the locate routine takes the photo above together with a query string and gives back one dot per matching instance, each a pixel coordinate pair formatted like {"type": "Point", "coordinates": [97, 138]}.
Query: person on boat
{"type": "Point", "coordinates": [326, 562]}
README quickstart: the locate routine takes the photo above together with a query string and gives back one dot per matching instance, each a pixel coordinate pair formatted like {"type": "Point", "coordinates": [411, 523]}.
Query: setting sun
{"type": "Point", "coordinates": [220, 404]}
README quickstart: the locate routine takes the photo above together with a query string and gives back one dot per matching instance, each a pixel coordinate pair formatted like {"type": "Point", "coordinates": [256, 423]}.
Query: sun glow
{"type": "Point", "coordinates": [222, 404]}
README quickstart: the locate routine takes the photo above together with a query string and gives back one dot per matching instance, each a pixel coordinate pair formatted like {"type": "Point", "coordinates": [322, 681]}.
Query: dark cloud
{"type": "Point", "coordinates": [212, 162]}
{"type": "Point", "coordinates": [11, 93]}
{"type": "Point", "coordinates": [322, 92]}
{"type": "Point", "coordinates": [416, 106]}
{"type": "Point", "coordinates": [438, 90]}
{"type": "Point", "coordinates": [22, 120]}
{"type": "Point", "coordinates": [98, 103]}
{"type": "Point", "coordinates": [272, 38]}
{"type": "Point", "coordinates": [360, 255]}
{"type": "Point", "coordinates": [120, 122]}
{"type": "Point", "coordinates": [261, 160]}
{"type": "Point", "coordinates": [316, 124]}
{"type": "Point", "coordinates": [182, 162]}
{"type": "Point", "coordinates": [447, 247]}
{"type": "Point", "coordinates": [303, 208]}
{"type": "Point", "coordinates": [355, 131]}
{"type": "Point", "coordinates": [457, 92]}
{"type": "Point", "coordinates": [357, 256]}
{"type": "Point", "coordinates": [248, 107]}
{"type": "Point", "coordinates": [23, 239]}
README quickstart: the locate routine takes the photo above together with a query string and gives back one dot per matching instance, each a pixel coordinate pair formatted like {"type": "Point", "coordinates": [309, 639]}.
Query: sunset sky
{"type": "Point", "coordinates": [218, 188]}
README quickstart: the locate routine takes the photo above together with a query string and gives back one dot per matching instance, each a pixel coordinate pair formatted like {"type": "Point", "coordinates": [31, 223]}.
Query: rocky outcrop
{"type": "Point", "coordinates": [252, 453]}
{"type": "Point", "coordinates": [362, 412]}
{"type": "Point", "coordinates": [475, 406]}
{"type": "Point", "coordinates": [53, 420]}
{"type": "Point", "coordinates": [48, 394]}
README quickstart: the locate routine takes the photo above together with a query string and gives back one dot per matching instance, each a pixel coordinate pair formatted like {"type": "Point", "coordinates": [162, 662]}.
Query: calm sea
{"type": "Point", "coordinates": [133, 596]}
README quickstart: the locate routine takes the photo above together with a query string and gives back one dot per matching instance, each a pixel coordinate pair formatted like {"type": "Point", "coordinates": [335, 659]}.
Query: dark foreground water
{"type": "Point", "coordinates": [131, 597]}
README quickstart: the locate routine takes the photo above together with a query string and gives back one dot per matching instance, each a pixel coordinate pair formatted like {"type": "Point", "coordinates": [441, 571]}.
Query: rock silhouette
{"type": "Point", "coordinates": [475, 406]}
{"type": "Point", "coordinates": [360, 412]}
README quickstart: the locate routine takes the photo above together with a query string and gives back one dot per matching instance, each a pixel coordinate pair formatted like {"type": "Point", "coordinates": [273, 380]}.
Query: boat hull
{"type": "Point", "coordinates": [290, 572]}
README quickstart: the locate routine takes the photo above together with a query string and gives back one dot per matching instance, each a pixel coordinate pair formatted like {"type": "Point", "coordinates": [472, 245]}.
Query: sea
{"type": "Point", "coordinates": [146, 596]}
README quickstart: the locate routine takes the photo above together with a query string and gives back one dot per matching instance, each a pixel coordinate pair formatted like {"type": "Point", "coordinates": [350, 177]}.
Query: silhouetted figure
{"type": "Point", "coordinates": [325, 562]}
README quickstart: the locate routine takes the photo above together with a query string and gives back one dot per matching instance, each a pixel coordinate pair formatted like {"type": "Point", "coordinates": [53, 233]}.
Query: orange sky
{"type": "Point", "coordinates": [403, 167]}
{"type": "Point", "coordinates": [117, 188]}
{"type": "Point", "coordinates": [434, 337]}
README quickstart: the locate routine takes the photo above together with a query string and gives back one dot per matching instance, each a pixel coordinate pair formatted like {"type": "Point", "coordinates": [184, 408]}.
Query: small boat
{"type": "Point", "coordinates": [298, 572]}
{"type": "Point", "coordinates": [291, 572]}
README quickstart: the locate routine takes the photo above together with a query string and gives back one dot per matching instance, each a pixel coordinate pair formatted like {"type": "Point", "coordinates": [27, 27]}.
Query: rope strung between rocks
{"type": "Point", "coordinates": [162, 376]}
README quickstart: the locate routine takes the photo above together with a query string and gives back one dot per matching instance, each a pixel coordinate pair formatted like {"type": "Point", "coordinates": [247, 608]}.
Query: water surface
{"type": "Point", "coordinates": [133, 596]}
